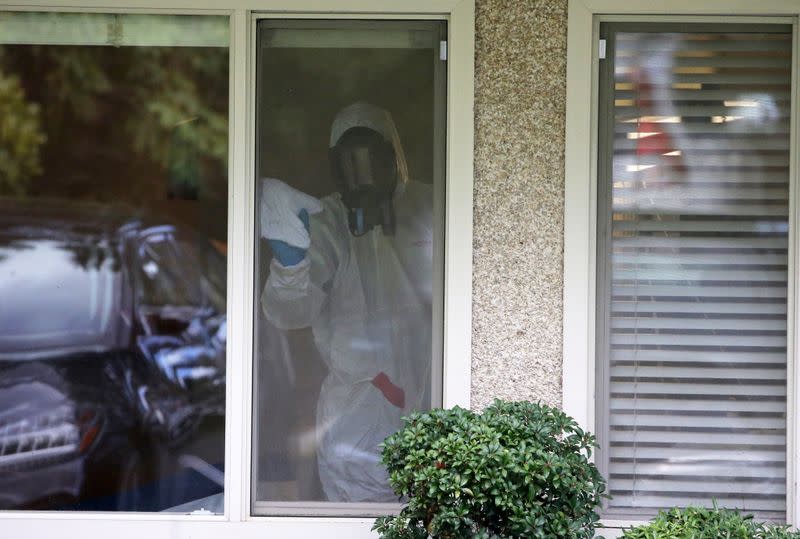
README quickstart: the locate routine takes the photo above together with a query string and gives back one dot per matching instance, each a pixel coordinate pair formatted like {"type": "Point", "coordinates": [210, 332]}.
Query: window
{"type": "Point", "coordinates": [350, 132]}
{"type": "Point", "coordinates": [159, 120]}
{"type": "Point", "coordinates": [693, 227]}
{"type": "Point", "coordinates": [679, 303]}
{"type": "Point", "coordinates": [112, 331]}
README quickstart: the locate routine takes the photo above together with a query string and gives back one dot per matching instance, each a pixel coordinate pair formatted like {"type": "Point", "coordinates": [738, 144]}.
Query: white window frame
{"type": "Point", "coordinates": [580, 199]}
{"type": "Point", "coordinates": [237, 521]}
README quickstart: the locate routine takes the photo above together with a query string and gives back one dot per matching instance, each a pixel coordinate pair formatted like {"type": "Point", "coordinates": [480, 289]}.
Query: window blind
{"type": "Point", "coordinates": [693, 261]}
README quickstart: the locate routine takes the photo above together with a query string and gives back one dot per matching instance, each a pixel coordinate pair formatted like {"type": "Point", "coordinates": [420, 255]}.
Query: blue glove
{"type": "Point", "coordinates": [289, 255]}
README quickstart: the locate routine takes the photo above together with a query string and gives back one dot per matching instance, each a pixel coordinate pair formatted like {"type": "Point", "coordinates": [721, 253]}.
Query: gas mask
{"type": "Point", "coordinates": [364, 167]}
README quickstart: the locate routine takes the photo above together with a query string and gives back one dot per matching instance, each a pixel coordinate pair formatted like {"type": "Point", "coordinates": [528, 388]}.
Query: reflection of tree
{"type": "Point", "coordinates": [188, 101]}
{"type": "Point", "coordinates": [88, 252]}
{"type": "Point", "coordinates": [20, 136]}
{"type": "Point", "coordinates": [91, 254]}
{"type": "Point", "coordinates": [113, 116]}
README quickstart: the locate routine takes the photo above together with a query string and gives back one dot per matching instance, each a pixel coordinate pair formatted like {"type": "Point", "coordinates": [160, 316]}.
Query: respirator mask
{"type": "Point", "coordinates": [364, 167]}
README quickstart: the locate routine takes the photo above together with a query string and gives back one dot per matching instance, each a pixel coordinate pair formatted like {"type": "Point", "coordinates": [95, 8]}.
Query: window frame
{"type": "Point", "coordinates": [581, 195]}
{"type": "Point", "coordinates": [237, 520]}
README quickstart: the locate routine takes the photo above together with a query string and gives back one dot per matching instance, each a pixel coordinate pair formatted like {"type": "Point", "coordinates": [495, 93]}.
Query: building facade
{"type": "Point", "coordinates": [608, 191]}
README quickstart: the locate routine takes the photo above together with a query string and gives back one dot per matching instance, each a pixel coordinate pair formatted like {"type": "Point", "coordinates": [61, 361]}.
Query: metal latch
{"type": "Point", "coordinates": [601, 50]}
{"type": "Point", "coordinates": [443, 51]}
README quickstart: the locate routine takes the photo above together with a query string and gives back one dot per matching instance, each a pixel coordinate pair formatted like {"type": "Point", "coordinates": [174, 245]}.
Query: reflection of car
{"type": "Point", "coordinates": [112, 359]}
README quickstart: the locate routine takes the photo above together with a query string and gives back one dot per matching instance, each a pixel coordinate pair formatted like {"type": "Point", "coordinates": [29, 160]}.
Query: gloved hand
{"type": "Point", "coordinates": [394, 394]}
{"type": "Point", "coordinates": [280, 214]}
{"type": "Point", "coordinates": [288, 255]}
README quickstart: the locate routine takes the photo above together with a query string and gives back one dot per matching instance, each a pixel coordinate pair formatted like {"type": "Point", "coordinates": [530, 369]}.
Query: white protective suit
{"type": "Point", "coordinates": [368, 302]}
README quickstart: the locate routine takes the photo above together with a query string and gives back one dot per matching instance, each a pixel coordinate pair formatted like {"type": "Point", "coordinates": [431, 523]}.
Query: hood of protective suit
{"type": "Point", "coordinates": [367, 115]}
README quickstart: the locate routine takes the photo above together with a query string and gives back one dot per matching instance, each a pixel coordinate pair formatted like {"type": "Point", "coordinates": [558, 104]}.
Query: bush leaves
{"type": "Point", "coordinates": [519, 470]}
{"type": "Point", "coordinates": [703, 523]}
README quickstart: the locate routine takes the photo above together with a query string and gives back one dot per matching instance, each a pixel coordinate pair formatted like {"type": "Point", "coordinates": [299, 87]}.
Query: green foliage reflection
{"type": "Point", "coordinates": [113, 123]}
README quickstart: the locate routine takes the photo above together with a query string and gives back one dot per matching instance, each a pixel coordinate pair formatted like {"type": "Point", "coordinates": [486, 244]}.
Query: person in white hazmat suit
{"type": "Point", "coordinates": [356, 266]}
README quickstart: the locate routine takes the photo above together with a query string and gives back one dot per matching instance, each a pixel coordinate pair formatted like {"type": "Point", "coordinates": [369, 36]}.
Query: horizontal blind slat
{"type": "Point", "coordinates": [632, 324]}
{"type": "Point", "coordinates": [705, 485]}
{"type": "Point", "coordinates": [672, 274]}
{"type": "Point", "coordinates": [674, 257]}
{"type": "Point", "coordinates": [692, 309]}
{"type": "Point", "coordinates": [690, 371]}
{"type": "Point", "coordinates": [629, 112]}
{"type": "Point", "coordinates": [714, 192]}
{"type": "Point", "coordinates": [673, 291]}
{"type": "Point", "coordinates": [721, 61]}
{"type": "Point", "coordinates": [647, 50]}
{"type": "Point", "coordinates": [680, 242]}
{"type": "Point", "coordinates": [777, 421]}
{"type": "Point", "coordinates": [706, 454]}
{"type": "Point", "coordinates": [735, 442]}
{"type": "Point", "coordinates": [718, 226]}
{"type": "Point", "coordinates": [679, 389]}
{"type": "Point", "coordinates": [702, 144]}
{"type": "Point", "coordinates": [704, 356]}
{"type": "Point", "coordinates": [633, 91]}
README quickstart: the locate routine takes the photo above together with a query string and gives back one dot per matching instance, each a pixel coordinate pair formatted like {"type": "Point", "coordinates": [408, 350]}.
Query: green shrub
{"type": "Point", "coordinates": [702, 523]}
{"type": "Point", "coordinates": [518, 470]}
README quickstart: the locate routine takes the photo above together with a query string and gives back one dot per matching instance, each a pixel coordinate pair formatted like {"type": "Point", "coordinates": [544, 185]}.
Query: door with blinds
{"type": "Point", "coordinates": [693, 245]}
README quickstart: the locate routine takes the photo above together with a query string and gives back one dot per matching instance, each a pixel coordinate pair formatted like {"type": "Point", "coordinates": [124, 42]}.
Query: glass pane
{"type": "Point", "coordinates": [696, 220]}
{"type": "Point", "coordinates": [349, 269]}
{"type": "Point", "coordinates": [113, 227]}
